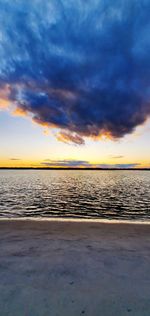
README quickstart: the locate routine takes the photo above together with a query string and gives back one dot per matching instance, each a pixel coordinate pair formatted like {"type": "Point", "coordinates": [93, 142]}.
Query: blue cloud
{"type": "Point", "coordinates": [82, 66]}
{"type": "Point", "coordinates": [86, 164]}
{"type": "Point", "coordinates": [66, 163]}
{"type": "Point", "coordinates": [121, 166]}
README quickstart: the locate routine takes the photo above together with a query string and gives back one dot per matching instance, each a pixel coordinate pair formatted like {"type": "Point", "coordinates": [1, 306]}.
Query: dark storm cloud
{"type": "Point", "coordinates": [81, 66]}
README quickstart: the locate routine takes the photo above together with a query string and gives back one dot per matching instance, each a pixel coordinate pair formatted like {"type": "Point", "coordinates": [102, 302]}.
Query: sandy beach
{"type": "Point", "coordinates": [70, 268]}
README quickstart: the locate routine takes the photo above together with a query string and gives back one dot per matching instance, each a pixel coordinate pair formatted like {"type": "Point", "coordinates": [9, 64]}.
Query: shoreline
{"type": "Point", "coordinates": [69, 268]}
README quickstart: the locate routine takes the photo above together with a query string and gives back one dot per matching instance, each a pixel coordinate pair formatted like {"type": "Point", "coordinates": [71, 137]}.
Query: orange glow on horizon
{"type": "Point", "coordinates": [19, 163]}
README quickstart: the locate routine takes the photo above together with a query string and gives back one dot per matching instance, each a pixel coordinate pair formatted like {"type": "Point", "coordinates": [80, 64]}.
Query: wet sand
{"type": "Point", "coordinates": [71, 268]}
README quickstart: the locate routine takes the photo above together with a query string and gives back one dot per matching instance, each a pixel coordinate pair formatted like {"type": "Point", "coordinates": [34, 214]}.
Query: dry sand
{"type": "Point", "coordinates": [65, 268]}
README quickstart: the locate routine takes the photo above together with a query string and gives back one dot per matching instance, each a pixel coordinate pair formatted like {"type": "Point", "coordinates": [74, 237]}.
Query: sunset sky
{"type": "Point", "coordinates": [74, 83]}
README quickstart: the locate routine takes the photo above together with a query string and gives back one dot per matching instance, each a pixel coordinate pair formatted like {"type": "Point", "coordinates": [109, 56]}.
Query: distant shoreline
{"type": "Point", "coordinates": [72, 168]}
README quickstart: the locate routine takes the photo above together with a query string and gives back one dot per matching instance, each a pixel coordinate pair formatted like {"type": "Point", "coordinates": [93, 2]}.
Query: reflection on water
{"type": "Point", "coordinates": [73, 193]}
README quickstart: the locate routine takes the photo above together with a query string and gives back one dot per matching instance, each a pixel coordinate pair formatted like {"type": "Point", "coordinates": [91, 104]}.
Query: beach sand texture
{"type": "Point", "coordinates": [71, 268]}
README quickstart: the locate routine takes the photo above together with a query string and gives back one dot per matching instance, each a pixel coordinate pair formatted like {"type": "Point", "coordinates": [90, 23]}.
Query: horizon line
{"type": "Point", "coordinates": [70, 168]}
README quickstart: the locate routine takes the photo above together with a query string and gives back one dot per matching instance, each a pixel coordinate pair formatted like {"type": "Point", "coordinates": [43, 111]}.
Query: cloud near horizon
{"type": "Point", "coordinates": [80, 66]}
{"type": "Point", "coordinates": [84, 164]}
{"type": "Point", "coordinates": [117, 157]}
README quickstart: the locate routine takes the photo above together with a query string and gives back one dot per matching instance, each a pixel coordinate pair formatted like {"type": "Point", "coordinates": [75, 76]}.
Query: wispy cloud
{"type": "Point", "coordinates": [120, 166]}
{"type": "Point", "coordinates": [118, 157]}
{"type": "Point", "coordinates": [14, 159]}
{"type": "Point", "coordinates": [67, 137]}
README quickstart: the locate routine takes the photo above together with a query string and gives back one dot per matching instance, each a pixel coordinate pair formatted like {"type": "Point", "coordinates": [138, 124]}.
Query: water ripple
{"type": "Point", "coordinates": [83, 194]}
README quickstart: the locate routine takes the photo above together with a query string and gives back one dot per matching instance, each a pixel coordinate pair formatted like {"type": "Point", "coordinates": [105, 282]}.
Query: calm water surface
{"type": "Point", "coordinates": [77, 194]}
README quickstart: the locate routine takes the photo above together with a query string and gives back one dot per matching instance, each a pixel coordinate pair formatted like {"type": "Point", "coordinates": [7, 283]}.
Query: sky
{"type": "Point", "coordinates": [74, 83]}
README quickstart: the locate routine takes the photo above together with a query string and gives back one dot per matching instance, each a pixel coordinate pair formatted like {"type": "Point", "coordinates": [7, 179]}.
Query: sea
{"type": "Point", "coordinates": [90, 194]}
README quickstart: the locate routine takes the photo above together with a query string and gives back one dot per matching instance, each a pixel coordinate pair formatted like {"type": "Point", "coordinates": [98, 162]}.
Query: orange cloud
{"type": "Point", "coordinates": [46, 132]}
{"type": "Point", "coordinates": [103, 135]}
{"type": "Point", "coordinates": [4, 97]}
{"type": "Point", "coordinates": [67, 137]}
{"type": "Point", "coordinates": [19, 112]}
{"type": "Point", "coordinates": [4, 104]}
